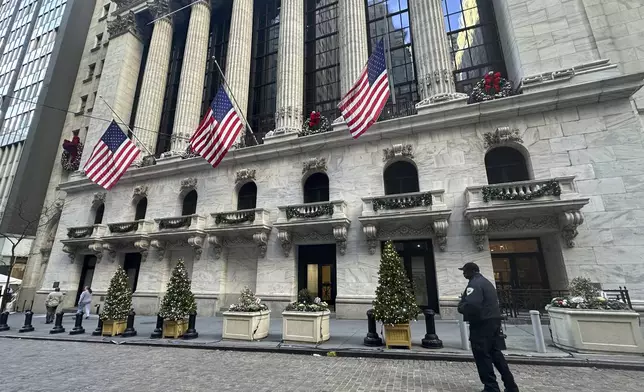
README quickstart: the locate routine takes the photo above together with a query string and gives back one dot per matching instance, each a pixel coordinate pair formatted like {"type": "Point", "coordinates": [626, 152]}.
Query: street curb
{"type": "Point", "coordinates": [355, 353]}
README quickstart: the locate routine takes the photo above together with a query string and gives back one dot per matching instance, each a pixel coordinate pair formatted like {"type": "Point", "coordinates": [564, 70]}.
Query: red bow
{"type": "Point", "coordinates": [492, 80]}
{"type": "Point", "coordinates": [72, 147]}
{"type": "Point", "coordinates": [314, 119]}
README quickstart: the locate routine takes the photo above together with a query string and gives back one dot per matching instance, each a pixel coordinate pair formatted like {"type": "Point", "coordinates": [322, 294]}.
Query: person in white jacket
{"type": "Point", "coordinates": [85, 301]}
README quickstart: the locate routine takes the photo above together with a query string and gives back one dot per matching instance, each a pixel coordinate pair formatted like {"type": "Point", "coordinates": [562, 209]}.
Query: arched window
{"type": "Point", "coordinates": [401, 177]}
{"type": "Point", "coordinates": [505, 164]}
{"type": "Point", "coordinates": [189, 203]}
{"type": "Point", "coordinates": [247, 196]}
{"type": "Point", "coordinates": [141, 209]}
{"type": "Point", "coordinates": [316, 188]}
{"type": "Point", "coordinates": [98, 215]}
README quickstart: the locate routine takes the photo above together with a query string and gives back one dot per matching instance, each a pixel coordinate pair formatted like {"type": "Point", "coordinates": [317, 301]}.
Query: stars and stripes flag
{"type": "Point", "coordinates": [218, 130]}
{"type": "Point", "coordinates": [364, 102]}
{"type": "Point", "coordinates": [112, 156]}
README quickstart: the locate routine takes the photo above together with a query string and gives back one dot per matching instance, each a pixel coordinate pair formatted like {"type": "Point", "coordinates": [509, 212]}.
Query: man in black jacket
{"type": "Point", "coordinates": [480, 307]}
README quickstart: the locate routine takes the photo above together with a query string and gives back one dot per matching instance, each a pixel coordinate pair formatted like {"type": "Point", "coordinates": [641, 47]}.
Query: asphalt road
{"type": "Point", "coordinates": [69, 366]}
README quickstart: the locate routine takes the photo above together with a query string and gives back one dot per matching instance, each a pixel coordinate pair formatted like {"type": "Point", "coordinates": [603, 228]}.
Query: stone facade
{"type": "Point", "coordinates": [574, 123]}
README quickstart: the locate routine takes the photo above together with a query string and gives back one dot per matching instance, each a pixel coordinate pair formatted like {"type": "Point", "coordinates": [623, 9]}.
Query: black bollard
{"type": "Point", "coordinates": [4, 318]}
{"type": "Point", "coordinates": [78, 325]}
{"type": "Point", "coordinates": [27, 327]}
{"type": "Point", "coordinates": [191, 333]}
{"type": "Point", "coordinates": [431, 339]}
{"type": "Point", "coordinates": [372, 339]}
{"type": "Point", "coordinates": [158, 329]}
{"type": "Point", "coordinates": [129, 329]}
{"type": "Point", "coordinates": [58, 323]}
{"type": "Point", "coordinates": [99, 327]}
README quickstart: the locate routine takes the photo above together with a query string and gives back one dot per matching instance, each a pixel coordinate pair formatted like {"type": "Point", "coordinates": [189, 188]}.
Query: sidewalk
{"type": "Point", "coordinates": [346, 340]}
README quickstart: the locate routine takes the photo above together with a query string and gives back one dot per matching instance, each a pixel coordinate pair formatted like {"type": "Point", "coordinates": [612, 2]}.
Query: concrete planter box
{"type": "Point", "coordinates": [309, 327]}
{"type": "Point", "coordinates": [246, 325]}
{"type": "Point", "coordinates": [581, 330]}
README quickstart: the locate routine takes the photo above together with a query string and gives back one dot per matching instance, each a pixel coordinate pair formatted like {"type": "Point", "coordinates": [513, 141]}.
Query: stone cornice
{"type": "Point", "coordinates": [123, 24]}
{"type": "Point", "coordinates": [557, 97]}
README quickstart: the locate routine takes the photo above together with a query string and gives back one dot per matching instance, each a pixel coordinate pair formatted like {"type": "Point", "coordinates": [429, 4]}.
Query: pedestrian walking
{"type": "Point", "coordinates": [85, 301]}
{"type": "Point", "coordinates": [51, 304]}
{"type": "Point", "coordinates": [480, 307]}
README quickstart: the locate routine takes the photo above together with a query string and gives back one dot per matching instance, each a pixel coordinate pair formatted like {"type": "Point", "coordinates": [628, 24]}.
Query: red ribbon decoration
{"type": "Point", "coordinates": [72, 147]}
{"type": "Point", "coordinates": [314, 119]}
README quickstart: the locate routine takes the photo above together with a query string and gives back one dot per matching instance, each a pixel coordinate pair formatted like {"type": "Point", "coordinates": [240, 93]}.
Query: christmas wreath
{"type": "Point", "coordinates": [316, 123]}
{"type": "Point", "coordinates": [492, 86]}
{"type": "Point", "coordinates": [72, 153]}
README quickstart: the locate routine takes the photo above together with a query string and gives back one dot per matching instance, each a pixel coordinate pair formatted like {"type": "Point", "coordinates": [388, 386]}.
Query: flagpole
{"type": "Point", "coordinates": [128, 127]}
{"type": "Point", "coordinates": [390, 75]}
{"type": "Point", "coordinates": [234, 100]}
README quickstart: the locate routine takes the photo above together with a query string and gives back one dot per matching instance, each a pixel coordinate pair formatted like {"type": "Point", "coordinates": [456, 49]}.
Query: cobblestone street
{"type": "Point", "coordinates": [69, 366]}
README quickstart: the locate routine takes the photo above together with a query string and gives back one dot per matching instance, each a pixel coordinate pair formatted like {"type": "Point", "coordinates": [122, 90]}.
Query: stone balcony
{"type": "Point", "coordinates": [84, 240]}
{"type": "Point", "coordinates": [132, 235]}
{"type": "Point", "coordinates": [313, 221]}
{"type": "Point", "coordinates": [405, 215]}
{"type": "Point", "coordinates": [239, 227]}
{"type": "Point", "coordinates": [177, 232]}
{"type": "Point", "coordinates": [531, 207]}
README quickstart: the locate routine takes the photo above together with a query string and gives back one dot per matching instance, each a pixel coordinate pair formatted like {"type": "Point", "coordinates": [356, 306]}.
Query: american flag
{"type": "Point", "coordinates": [218, 130]}
{"type": "Point", "coordinates": [363, 104]}
{"type": "Point", "coordinates": [112, 156]}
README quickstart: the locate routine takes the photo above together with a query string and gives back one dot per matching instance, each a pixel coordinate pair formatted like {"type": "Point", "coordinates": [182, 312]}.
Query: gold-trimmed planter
{"type": "Point", "coordinates": [174, 329]}
{"type": "Point", "coordinates": [113, 327]}
{"type": "Point", "coordinates": [398, 335]}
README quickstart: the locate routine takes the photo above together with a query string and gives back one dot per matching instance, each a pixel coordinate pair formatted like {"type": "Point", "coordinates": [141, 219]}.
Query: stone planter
{"type": "Point", "coordinates": [246, 325]}
{"type": "Point", "coordinates": [398, 335]}
{"type": "Point", "coordinates": [615, 331]}
{"type": "Point", "coordinates": [309, 327]}
{"type": "Point", "coordinates": [113, 327]}
{"type": "Point", "coordinates": [174, 329]}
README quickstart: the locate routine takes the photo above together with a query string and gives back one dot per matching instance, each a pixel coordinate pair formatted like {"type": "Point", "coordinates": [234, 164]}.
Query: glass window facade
{"type": "Point", "coordinates": [217, 48]}
{"type": "Point", "coordinates": [261, 105]}
{"type": "Point", "coordinates": [474, 41]}
{"type": "Point", "coordinates": [24, 62]}
{"type": "Point", "coordinates": [322, 58]}
{"type": "Point", "coordinates": [393, 16]}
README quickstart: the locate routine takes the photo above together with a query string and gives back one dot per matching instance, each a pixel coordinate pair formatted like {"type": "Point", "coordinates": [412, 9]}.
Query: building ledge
{"type": "Point", "coordinates": [240, 227]}
{"type": "Point", "coordinates": [550, 97]}
{"type": "Point", "coordinates": [179, 232]}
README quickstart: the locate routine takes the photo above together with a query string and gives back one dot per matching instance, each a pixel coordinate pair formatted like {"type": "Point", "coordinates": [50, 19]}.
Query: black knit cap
{"type": "Point", "coordinates": [470, 267]}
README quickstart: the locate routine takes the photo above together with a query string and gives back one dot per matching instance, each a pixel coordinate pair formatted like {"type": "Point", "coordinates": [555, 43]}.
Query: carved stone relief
{"type": "Point", "coordinates": [139, 193]}
{"type": "Point", "coordinates": [99, 198]}
{"type": "Point", "coordinates": [286, 241]}
{"type": "Point", "coordinates": [502, 135]}
{"type": "Point", "coordinates": [187, 185]}
{"type": "Point", "coordinates": [314, 165]}
{"type": "Point", "coordinates": [397, 150]}
{"type": "Point", "coordinates": [123, 24]}
{"type": "Point", "coordinates": [244, 175]}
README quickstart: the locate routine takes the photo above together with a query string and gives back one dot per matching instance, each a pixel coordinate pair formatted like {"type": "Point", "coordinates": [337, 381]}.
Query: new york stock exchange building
{"type": "Point", "coordinates": [538, 183]}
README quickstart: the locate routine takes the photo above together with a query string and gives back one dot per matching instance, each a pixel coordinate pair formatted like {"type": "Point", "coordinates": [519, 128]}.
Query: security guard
{"type": "Point", "coordinates": [480, 307]}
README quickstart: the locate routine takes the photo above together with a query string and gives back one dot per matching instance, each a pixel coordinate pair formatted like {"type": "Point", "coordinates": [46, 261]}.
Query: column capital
{"type": "Point", "coordinates": [123, 24]}
{"type": "Point", "coordinates": [120, 4]}
{"type": "Point", "coordinates": [159, 8]}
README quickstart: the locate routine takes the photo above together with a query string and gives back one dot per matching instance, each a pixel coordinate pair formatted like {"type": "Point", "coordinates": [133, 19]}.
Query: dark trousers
{"type": "Point", "coordinates": [51, 312]}
{"type": "Point", "coordinates": [486, 339]}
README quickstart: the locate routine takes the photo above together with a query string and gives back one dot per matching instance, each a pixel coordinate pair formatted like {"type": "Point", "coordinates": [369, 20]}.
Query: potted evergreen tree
{"type": "Point", "coordinates": [117, 305]}
{"type": "Point", "coordinates": [395, 304]}
{"type": "Point", "coordinates": [306, 320]}
{"type": "Point", "coordinates": [247, 320]}
{"type": "Point", "coordinates": [178, 302]}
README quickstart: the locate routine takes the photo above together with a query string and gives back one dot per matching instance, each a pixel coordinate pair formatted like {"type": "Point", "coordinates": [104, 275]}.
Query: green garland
{"type": "Point", "coordinates": [325, 209]}
{"type": "Point", "coordinates": [247, 217]}
{"type": "Point", "coordinates": [79, 232]}
{"type": "Point", "coordinates": [123, 227]}
{"type": "Point", "coordinates": [551, 188]}
{"type": "Point", "coordinates": [424, 199]}
{"type": "Point", "coordinates": [175, 223]}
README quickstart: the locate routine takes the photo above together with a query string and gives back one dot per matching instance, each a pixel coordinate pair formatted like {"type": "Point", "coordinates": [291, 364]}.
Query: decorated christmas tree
{"type": "Point", "coordinates": [119, 298]}
{"type": "Point", "coordinates": [178, 301]}
{"type": "Point", "coordinates": [395, 302]}
{"type": "Point", "coordinates": [248, 302]}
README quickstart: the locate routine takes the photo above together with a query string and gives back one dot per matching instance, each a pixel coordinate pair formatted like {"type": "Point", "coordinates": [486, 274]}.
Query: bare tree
{"type": "Point", "coordinates": [27, 224]}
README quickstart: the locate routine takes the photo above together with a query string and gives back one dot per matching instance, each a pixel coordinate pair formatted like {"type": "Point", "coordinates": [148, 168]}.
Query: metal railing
{"type": "Point", "coordinates": [517, 303]}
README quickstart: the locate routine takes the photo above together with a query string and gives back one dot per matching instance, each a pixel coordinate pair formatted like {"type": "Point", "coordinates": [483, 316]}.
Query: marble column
{"type": "Point", "coordinates": [193, 73]}
{"type": "Point", "coordinates": [433, 64]}
{"type": "Point", "coordinates": [238, 58]}
{"type": "Point", "coordinates": [354, 45]}
{"type": "Point", "coordinates": [290, 67]}
{"type": "Point", "coordinates": [155, 77]}
{"type": "Point", "coordinates": [119, 78]}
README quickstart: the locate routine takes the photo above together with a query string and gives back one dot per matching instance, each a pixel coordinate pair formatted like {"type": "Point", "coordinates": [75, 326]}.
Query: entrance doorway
{"type": "Point", "coordinates": [417, 256]}
{"type": "Point", "coordinates": [518, 264]}
{"type": "Point", "coordinates": [87, 275]}
{"type": "Point", "coordinates": [317, 272]}
{"type": "Point", "coordinates": [131, 265]}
